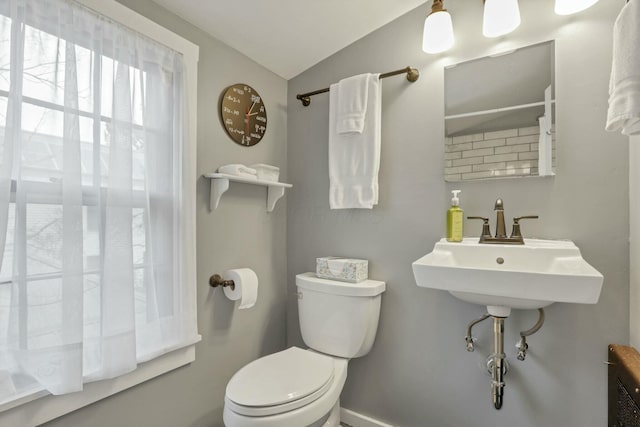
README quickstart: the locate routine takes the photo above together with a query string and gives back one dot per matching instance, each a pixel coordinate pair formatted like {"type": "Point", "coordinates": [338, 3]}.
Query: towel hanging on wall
{"type": "Point", "coordinates": [354, 157]}
{"type": "Point", "coordinates": [624, 86]}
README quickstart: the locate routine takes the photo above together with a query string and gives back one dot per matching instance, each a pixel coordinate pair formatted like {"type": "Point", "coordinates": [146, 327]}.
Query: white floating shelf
{"type": "Point", "coordinates": [220, 184]}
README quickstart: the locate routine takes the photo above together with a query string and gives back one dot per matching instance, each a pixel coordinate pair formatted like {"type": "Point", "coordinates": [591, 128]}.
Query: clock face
{"type": "Point", "coordinates": [243, 114]}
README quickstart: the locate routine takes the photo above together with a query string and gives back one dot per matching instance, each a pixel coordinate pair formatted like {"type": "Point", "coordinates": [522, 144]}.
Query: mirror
{"type": "Point", "coordinates": [500, 115]}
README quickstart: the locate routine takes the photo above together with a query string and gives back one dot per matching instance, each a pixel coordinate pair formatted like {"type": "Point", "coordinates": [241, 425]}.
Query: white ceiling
{"type": "Point", "coordinates": [289, 36]}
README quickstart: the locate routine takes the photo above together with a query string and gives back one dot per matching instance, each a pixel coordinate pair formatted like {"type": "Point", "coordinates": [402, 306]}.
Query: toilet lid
{"type": "Point", "coordinates": [281, 378]}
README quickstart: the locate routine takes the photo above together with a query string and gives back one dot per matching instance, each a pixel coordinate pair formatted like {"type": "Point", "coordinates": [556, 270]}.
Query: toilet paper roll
{"type": "Point", "coordinates": [245, 289]}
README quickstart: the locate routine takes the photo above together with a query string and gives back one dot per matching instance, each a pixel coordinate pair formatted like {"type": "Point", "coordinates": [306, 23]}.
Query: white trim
{"type": "Point", "coordinates": [358, 420]}
{"type": "Point", "coordinates": [49, 407]}
{"type": "Point", "coordinates": [634, 241]}
{"type": "Point", "coordinates": [127, 17]}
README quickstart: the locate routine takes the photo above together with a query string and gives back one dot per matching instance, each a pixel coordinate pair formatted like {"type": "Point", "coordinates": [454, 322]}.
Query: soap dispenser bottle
{"type": "Point", "coordinates": [455, 219]}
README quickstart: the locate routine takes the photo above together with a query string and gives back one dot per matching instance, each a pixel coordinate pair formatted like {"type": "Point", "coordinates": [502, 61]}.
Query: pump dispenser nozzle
{"type": "Point", "coordinates": [455, 201]}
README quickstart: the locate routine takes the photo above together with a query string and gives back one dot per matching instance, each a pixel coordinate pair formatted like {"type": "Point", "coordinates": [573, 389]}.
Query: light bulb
{"type": "Point", "coordinates": [568, 7]}
{"type": "Point", "coordinates": [438, 32]}
{"type": "Point", "coordinates": [500, 17]}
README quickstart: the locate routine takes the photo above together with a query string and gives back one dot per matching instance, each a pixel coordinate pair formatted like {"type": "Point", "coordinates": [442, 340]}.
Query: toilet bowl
{"type": "Point", "coordinates": [291, 388]}
{"type": "Point", "coordinates": [301, 388]}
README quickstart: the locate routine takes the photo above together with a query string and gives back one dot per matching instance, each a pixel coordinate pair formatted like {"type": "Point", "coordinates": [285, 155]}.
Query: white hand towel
{"type": "Point", "coordinates": [353, 94]}
{"type": "Point", "coordinates": [354, 158]}
{"type": "Point", "coordinates": [624, 86]}
{"type": "Point", "coordinates": [238, 170]}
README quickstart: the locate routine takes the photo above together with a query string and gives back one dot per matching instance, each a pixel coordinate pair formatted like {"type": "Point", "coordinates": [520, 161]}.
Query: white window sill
{"type": "Point", "coordinates": [38, 408]}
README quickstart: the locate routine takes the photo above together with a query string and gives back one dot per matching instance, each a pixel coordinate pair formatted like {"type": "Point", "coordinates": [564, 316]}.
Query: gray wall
{"type": "Point", "coordinates": [418, 373]}
{"type": "Point", "coordinates": [240, 233]}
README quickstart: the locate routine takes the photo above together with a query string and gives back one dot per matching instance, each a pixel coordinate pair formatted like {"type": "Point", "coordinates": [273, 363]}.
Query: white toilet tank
{"type": "Point", "coordinates": [338, 318]}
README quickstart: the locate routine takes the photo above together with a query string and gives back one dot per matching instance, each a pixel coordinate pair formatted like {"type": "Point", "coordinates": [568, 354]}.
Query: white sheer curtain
{"type": "Point", "coordinates": [93, 218]}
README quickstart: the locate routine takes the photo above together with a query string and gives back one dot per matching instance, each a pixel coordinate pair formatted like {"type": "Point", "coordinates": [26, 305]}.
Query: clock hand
{"type": "Point", "coordinates": [249, 111]}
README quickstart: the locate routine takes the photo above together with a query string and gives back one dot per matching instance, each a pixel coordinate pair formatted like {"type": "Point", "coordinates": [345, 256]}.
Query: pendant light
{"type": "Point", "coordinates": [500, 17]}
{"type": "Point", "coordinates": [568, 7]}
{"type": "Point", "coordinates": [438, 30]}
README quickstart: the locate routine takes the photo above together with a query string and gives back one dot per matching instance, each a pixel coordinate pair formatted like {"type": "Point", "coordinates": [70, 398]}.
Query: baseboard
{"type": "Point", "coordinates": [358, 420]}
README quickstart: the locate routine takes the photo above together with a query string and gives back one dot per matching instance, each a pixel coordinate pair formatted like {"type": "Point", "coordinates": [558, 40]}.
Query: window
{"type": "Point", "coordinates": [97, 268]}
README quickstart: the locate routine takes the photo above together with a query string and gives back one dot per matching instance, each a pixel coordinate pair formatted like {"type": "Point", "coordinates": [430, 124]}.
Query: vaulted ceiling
{"type": "Point", "coordinates": [289, 36]}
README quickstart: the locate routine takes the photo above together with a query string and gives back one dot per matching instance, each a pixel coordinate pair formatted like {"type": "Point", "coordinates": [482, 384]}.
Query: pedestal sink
{"type": "Point", "coordinates": [502, 277]}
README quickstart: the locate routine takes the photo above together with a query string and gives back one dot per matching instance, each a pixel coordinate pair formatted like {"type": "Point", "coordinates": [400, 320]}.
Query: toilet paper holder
{"type": "Point", "coordinates": [217, 280]}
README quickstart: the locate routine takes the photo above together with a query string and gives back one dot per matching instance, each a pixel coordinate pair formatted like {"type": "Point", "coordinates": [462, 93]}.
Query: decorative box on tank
{"type": "Point", "coordinates": [344, 269]}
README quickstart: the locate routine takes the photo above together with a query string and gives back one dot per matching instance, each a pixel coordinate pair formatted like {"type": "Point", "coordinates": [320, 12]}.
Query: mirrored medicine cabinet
{"type": "Point", "coordinates": [500, 115]}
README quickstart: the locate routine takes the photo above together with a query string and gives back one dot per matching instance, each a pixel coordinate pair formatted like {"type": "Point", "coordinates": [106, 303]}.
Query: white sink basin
{"type": "Point", "coordinates": [502, 277]}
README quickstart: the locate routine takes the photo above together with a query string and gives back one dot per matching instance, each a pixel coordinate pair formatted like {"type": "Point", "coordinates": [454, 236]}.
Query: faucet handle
{"type": "Point", "coordinates": [515, 231]}
{"type": "Point", "coordinates": [486, 230]}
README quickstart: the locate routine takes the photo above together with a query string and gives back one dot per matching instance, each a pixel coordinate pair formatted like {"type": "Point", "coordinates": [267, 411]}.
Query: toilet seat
{"type": "Point", "coordinates": [280, 382]}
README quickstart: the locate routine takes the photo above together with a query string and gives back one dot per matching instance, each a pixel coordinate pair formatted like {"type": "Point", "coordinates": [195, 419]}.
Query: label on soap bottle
{"type": "Point", "coordinates": [455, 224]}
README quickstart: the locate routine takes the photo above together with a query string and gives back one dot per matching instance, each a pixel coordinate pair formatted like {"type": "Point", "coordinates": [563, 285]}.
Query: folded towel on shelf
{"type": "Point", "coordinates": [353, 93]}
{"type": "Point", "coordinates": [238, 170]}
{"type": "Point", "coordinates": [624, 86]}
{"type": "Point", "coordinates": [354, 158]}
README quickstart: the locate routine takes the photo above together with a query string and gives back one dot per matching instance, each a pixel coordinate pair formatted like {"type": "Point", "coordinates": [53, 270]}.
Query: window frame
{"type": "Point", "coordinates": [40, 406]}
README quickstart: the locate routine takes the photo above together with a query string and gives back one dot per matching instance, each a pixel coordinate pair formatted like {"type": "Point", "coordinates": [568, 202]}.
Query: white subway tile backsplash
{"type": "Point", "coordinates": [529, 155]}
{"type": "Point", "coordinates": [501, 134]}
{"type": "Point", "coordinates": [523, 139]}
{"type": "Point", "coordinates": [477, 175]}
{"type": "Point", "coordinates": [513, 149]}
{"type": "Point", "coordinates": [489, 143]}
{"type": "Point", "coordinates": [459, 147]}
{"type": "Point", "coordinates": [459, 169]}
{"type": "Point", "coordinates": [501, 158]}
{"type": "Point", "coordinates": [511, 152]}
{"type": "Point", "coordinates": [467, 161]}
{"type": "Point", "coordinates": [479, 152]}
{"type": "Point", "coordinates": [468, 138]}
{"type": "Point", "coordinates": [532, 130]}
{"type": "Point", "coordinates": [522, 165]}
{"type": "Point", "coordinates": [489, 166]}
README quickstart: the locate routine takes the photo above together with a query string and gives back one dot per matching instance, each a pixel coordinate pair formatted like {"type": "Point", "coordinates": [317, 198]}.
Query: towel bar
{"type": "Point", "coordinates": [412, 75]}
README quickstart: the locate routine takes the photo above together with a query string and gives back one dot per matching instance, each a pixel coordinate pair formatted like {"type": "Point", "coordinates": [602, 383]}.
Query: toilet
{"type": "Point", "coordinates": [301, 387]}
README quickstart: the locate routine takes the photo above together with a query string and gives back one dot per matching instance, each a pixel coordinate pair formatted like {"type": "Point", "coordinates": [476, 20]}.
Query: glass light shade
{"type": "Point", "coordinates": [500, 17]}
{"type": "Point", "coordinates": [438, 32]}
{"type": "Point", "coordinates": [568, 7]}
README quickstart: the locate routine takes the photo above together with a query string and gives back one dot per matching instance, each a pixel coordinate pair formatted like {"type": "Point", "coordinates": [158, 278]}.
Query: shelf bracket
{"type": "Point", "coordinates": [273, 195]}
{"type": "Point", "coordinates": [218, 187]}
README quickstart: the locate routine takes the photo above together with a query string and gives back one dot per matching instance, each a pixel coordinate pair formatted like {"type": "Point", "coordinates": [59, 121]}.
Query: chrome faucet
{"type": "Point", "coordinates": [501, 232]}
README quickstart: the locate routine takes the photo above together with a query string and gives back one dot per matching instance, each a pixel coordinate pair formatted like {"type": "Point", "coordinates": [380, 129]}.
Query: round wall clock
{"type": "Point", "coordinates": [244, 114]}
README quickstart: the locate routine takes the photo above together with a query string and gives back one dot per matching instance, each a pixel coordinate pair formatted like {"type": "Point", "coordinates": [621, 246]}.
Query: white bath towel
{"type": "Point", "coordinates": [624, 86]}
{"type": "Point", "coordinates": [353, 94]}
{"type": "Point", "coordinates": [354, 158]}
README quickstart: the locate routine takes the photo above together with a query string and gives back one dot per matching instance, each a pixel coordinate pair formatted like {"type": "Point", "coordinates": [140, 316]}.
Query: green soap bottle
{"type": "Point", "coordinates": [455, 219]}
